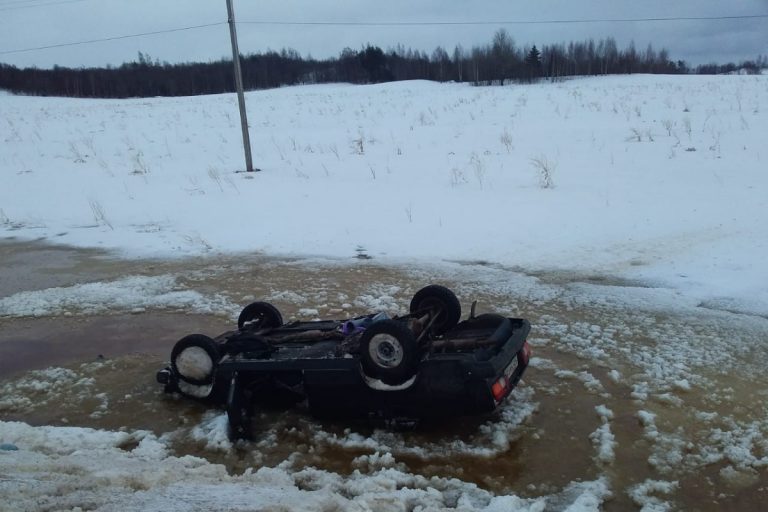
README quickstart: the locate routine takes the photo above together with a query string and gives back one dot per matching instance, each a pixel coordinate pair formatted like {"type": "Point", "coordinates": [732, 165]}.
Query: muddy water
{"type": "Point", "coordinates": [664, 362]}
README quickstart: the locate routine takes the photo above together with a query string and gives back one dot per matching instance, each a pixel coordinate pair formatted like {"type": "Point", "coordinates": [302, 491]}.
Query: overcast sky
{"type": "Point", "coordinates": [34, 23]}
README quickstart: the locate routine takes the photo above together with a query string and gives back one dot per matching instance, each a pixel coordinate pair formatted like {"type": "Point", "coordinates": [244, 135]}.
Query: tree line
{"type": "Point", "coordinates": [499, 62]}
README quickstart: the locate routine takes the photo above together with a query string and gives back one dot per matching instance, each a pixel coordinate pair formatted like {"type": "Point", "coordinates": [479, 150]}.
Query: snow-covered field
{"type": "Point", "coordinates": [656, 178]}
{"type": "Point", "coordinates": [624, 215]}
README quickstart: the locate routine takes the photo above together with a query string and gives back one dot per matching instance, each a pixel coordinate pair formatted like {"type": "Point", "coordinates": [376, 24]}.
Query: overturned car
{"type": "Point", "coordinates": [426, 364]}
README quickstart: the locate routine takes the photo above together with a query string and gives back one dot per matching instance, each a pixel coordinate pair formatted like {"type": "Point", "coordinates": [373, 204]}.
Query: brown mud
{"type": "Point", "coordinates": [121, 351]}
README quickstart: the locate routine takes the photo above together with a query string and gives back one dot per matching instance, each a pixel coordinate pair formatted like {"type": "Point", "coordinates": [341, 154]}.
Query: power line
{"type": "Point", "coordinates": [500, 22]}
{"type": "Point", "coordinates": [380, 24]}
{"type": "Point", "coordinates": [115, 38]}
{"type": "Point", "coordinates": [5, 3]}
{"type": "Point", "coordinates": [15, 7]}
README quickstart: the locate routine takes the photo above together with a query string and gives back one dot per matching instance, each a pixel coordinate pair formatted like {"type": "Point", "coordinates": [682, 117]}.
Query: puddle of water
{"type": "Point", "coordinates": [695, 373]}
{"type": "Point", "coordinates": [30, 344]}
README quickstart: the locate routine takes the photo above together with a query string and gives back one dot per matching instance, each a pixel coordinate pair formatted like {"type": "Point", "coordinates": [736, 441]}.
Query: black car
{"type": "Point", "coordinates": [427, 364]}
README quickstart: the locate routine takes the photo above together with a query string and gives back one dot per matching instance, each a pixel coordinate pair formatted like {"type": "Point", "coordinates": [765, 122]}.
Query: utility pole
{"type": "Point", "coordinates": [239, 87]}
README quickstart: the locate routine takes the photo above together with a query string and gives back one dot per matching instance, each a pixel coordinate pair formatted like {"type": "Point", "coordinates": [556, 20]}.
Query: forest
{"type": "Point", "coordinates": [497, 63]}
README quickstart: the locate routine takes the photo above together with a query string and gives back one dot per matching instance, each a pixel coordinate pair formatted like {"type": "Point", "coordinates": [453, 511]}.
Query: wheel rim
{"type": "Point", "coordinates": [194, 363]}
{"type": "Point", "coordinates": [385, 350]}
{"type": "Point", "coordinates": [195, 390]}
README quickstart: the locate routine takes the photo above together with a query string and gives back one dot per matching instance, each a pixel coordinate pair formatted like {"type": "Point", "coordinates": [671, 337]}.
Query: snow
{"type": "Point", "coordinates": [492, 438]}
{"type": "Point", "coordinates": [41, 387]}
{"type": "Point", "coordinates": [590, 382]}
{"type": "Point", "coordinates": [212, 430]}
{"type": "Point", "coordinates": [641, 494]}
{"type": "Point", "coordinates": [658, 191]}
{"type": "Point", "coordinates": [133, 293]}
{"type": "Point", "coordinates": [603, 438]}
{"type": "Point", "coordinates": [380, 299]}
{"type": "Point", "coordinates": [657, 179]}
{"type": "Point", "coordinates": [286, 296]}
{"type": "Point", "coordinates": [104, 473]}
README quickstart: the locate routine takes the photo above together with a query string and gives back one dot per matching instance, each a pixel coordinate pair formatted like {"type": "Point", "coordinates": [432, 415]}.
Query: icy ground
{"type": "Point", "coordinates": [635, 398]}
{"type": "Point", "coordinates": [624, 216]}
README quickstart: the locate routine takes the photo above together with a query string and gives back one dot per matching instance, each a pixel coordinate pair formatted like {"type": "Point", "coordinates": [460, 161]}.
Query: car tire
{"type": "Point", "coordinates": [389, 352]}
{"type": "Point", "coordinates": [260, 315]}
{"type": "Point", "coordinates": [440, 301]}
{"type": "Point", "coordinates": [194, 359]}
{"type": "Point", "coordinates": [203, 393]}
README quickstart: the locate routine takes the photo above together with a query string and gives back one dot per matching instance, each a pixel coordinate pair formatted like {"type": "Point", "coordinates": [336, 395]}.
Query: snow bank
{"type": "Point", "coordinates": [67, 468]}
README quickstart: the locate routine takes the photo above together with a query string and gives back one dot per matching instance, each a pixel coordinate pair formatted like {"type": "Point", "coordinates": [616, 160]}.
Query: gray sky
{"type": "Point", "coordinates": [34, 23]}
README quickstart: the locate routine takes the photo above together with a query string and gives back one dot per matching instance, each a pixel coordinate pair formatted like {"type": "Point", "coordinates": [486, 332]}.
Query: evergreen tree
{"type": "Point", "coordinates": [374, 62]}
{"type": "Point", "coordinates": [533, 64]}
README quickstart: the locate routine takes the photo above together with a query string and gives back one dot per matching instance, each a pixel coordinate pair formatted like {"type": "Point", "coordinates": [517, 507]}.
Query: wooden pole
{"type": "Point", "coordinates": [239, 87]}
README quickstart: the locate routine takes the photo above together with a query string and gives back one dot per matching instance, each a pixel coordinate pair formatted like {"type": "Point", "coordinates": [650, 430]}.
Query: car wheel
{"type": "Point", "coordinates": [204, 392]}
{"type": "Point", "coordinates": [194, 359]}
{"type": "Point", "coordinates": [439, 302]}
{"type": "Point", "coordinates": [260, 315]}
{"type": "Point", "coordinates": [389, 352]}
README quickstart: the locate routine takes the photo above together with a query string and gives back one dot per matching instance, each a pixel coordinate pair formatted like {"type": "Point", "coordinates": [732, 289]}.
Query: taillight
{"type": "Point", "coordinates": [499, 388]}
{"type": "Point", "coordinates": [526, 352]}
